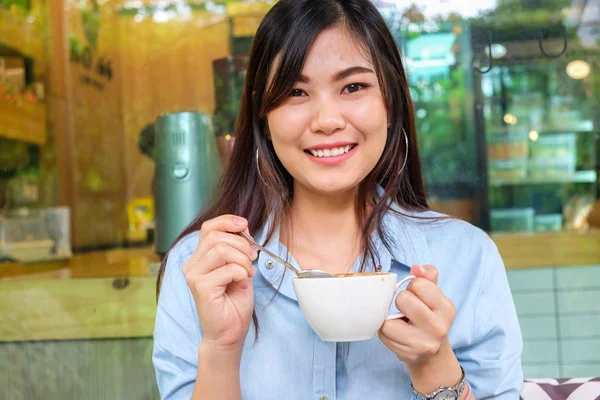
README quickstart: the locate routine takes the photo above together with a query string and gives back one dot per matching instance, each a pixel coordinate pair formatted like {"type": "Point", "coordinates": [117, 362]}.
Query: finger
{"type": "Point", "coordinates": [401, 335]}
{"type": "Point", "coordinates": [402, 350]}
{"type": "Point", "coordinates": [414, 309]}
{"type": "Point", "coordinates": [399, 330]}
{"type": "Point", "coordinates": [406, 334]}
{"type": "Point", "coordinates": [213, 285]}
{"type": "Point", "coordinates": [411, 352]}
{"type": "Point", "coordinates": [215, 237]}
{"type": "Point", "coordinates": [220, 255]}
{"type": "Point", "coordinates": [429, 293]}
{"type": "Point", "coordinates": [223, 223]}
{"type": "Point", "coordinates": [428, 272]}
{"type": "Point", "coordinates": [226, 275]}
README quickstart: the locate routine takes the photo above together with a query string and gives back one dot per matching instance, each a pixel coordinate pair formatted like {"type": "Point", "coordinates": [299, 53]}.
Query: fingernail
{"type": "Point", "coordinates": [252, 254]}
{"type": "Point", "coordinates": [239, 221]}
{"type": "Point", "coordinates": [422, 269]}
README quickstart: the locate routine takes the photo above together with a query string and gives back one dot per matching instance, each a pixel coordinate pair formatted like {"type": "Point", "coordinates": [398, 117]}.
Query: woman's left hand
{"type": "Point", "coordinates": [421, 338]}
{"type": "Point", "coordinates": [430, 315]}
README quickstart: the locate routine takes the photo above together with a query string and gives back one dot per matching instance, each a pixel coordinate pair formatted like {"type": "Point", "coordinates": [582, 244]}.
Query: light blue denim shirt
{"type": "Point", "coordinates": [289, 361]}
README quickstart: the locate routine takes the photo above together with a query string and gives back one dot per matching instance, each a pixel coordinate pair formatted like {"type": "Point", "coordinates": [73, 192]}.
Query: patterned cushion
{"type": "Point", "coordinates": [561, 389]}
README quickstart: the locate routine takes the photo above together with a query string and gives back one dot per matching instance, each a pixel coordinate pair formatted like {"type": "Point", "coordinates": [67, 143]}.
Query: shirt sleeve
{"type": "Point", "coordinates": [176, 334]}
{"type": "Point", "coordinates": [492, 361]}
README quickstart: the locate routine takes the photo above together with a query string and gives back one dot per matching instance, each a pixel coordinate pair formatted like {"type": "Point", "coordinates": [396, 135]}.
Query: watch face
{"type": "Point", "coordinates": [446, 395]}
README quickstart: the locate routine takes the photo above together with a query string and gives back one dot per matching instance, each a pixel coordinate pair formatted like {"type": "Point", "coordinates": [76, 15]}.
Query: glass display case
{"type": "Point", "coordinates": [538, 129]}
{"type": "Point", "coordinates": [506, 117]}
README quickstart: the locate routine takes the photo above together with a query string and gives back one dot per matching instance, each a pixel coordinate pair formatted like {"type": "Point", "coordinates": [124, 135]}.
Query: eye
{"type": "Point", "coordinates": [297, 93]}
{"type": "Point", "coordinates": [354, 87]}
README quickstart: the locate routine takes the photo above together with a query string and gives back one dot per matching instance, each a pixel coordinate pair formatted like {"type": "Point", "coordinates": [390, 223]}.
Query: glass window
{"type": "Point", "coordinates": [108, 108]}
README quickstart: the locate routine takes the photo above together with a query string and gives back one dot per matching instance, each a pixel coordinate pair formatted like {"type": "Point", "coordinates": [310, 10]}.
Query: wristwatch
{"type": "Point", "coordinates": [444, 392]}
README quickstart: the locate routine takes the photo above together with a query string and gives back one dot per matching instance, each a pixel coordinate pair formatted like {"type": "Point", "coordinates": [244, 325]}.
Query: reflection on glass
{"type": "Point", "coordinates": [521, 144]}
{"type": "Point", "coordinates": [506, 96]}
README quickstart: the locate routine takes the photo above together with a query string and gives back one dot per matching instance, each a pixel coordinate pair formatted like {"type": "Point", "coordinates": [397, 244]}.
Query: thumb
{"type": "Point", "coordinates": [428, 272]}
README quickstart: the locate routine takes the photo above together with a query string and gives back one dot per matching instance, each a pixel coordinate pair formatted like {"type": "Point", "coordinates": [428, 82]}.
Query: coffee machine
{"type": "Point", "coordinates": [187, 170]}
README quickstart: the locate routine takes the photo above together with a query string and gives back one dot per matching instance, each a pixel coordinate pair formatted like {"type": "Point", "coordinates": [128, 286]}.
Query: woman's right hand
{"type": "Point", "coordinates": [219, 274]}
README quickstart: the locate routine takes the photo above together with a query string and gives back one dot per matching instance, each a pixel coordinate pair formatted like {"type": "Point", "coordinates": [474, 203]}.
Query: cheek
{"type": "Point", "coordinates": [371, 119]}
{"type": "Point", "coordinates": [285, 135]}
{"type": "Point", "coordinates": [285, 125]}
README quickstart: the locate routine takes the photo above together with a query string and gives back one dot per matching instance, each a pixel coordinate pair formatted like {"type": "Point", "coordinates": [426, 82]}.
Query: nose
{"type": "Point", "coordinates": [327, 118]}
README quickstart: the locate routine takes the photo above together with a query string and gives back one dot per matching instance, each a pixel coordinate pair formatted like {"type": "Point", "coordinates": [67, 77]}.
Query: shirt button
{"type": "Point", "coordinates": [378, 268]}
{"type": "Point", "coordinates": [269, 264]}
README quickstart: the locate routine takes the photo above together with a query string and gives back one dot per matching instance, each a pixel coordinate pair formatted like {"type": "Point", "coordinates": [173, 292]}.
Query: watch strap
{"type": "Point", "coordinates": [457, 389]}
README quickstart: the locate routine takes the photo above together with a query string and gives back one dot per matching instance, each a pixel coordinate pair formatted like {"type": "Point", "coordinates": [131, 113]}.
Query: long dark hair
{"type": "Point", "coordinates": [288, 31]}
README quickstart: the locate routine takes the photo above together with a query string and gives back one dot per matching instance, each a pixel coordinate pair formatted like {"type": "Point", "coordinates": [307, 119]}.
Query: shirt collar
{"type": "Point", "coordinates": [408, 239]}
{"type": "Point", "coordinates": [276, 274]}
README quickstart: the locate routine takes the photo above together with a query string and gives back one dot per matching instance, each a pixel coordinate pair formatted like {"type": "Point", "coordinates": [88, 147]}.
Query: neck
{"type": "Point", "coordinates": [323, 224]}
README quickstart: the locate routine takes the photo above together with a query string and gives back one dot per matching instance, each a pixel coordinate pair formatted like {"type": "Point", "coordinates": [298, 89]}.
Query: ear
{"type": "Point", "coordinates": [268, 133]}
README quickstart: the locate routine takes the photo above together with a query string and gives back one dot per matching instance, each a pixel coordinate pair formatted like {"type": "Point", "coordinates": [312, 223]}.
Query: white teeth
{"type": "Point", "coordinates": [337, 151]}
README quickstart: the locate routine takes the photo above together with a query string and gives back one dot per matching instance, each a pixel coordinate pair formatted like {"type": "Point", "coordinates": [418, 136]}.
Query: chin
{"type": "Point", "coordinates": [333, 188]}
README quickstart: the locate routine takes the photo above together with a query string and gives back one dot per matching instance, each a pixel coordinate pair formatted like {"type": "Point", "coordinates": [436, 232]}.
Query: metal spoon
{"type": "Point", "coordinates": [309, 273]}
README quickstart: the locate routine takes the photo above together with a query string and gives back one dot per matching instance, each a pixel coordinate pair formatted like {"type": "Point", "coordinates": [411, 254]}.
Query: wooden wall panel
{"type": "Point", "coordinates": [169, 69]}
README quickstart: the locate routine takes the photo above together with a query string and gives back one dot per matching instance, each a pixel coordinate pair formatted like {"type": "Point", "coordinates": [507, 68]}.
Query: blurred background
{"type": "Point", "coordinates": [117, 119]}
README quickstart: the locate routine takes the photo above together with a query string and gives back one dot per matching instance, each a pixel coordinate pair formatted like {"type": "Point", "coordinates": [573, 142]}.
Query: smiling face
{"type": "Point", "coordinates": [331, 131]}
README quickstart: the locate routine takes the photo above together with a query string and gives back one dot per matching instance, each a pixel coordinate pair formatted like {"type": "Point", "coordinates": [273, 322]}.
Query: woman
{"type": "Point", "coordinates": [325, 172]}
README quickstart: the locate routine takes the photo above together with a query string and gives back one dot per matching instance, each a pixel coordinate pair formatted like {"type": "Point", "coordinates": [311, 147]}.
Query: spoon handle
{"type": "Point", "coordinates": [261, 248]}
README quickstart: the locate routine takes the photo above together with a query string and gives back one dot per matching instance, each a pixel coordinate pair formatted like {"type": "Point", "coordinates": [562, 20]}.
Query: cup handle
{"type": "Point", "coordinates": [402, 282]}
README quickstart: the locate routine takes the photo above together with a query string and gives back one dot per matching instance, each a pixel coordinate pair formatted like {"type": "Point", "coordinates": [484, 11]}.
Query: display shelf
{"type": "Point", "coordinates": [23, 120]}
{"type": "Point", "coordinates": [578, 127]}
{"type": "Point", "coordinates": [20, 32]}
{"type": "Point", "coordinates": [539, 129]}
{"type": "Point", "coordinates": [577, 177]}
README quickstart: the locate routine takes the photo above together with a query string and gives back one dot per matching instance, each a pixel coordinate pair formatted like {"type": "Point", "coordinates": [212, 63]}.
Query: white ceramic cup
{"type": "Point", "coordinates": [349, 308]}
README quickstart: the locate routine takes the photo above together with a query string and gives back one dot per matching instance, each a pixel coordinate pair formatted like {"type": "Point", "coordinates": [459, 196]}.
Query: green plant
{"type": "Point", "coordinates": [24, 4]}
{"type": "Point", "coordinates": [445, 147]}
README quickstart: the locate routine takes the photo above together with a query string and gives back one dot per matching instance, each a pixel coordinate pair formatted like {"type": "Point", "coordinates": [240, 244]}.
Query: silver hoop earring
{"type": "Point", "coordinates": [405, 152]}
{"type": "Point", "coordinates": [258, 169]}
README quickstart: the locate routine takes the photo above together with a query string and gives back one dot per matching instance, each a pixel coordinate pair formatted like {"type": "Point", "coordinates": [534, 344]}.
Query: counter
{"type": "Point", "coordinates": [549, 249]}
{"type": "Point", "coordinates": [111, 294]}
{"type": "Point", "coordinates": [105, 294]}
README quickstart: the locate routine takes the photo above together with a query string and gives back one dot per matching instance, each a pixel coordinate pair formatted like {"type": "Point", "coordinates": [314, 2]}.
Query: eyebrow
{"type": "Point", "coordinates": [342, 74]}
